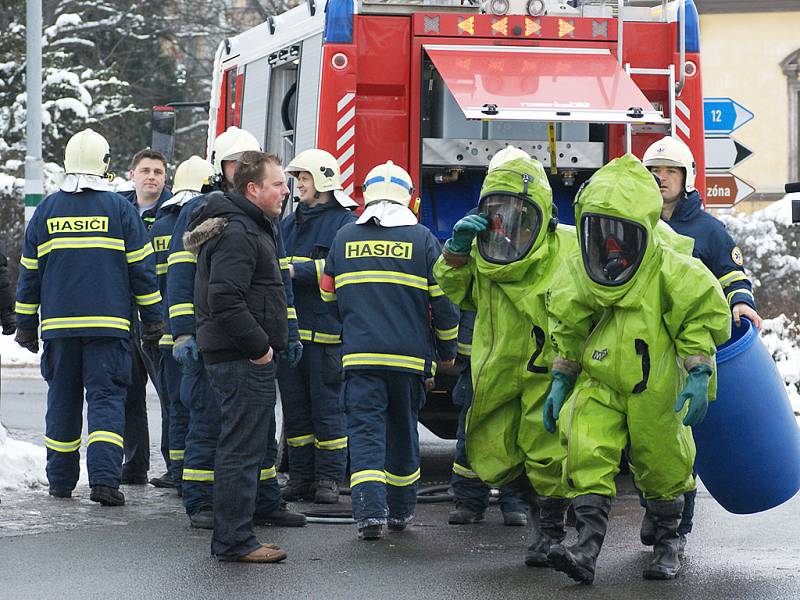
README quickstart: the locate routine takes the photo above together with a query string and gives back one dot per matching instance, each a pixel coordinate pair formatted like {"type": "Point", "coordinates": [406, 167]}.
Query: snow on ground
{"type": "Point", "coordinates": [13, 355]}
{"type": "Point", "coordinates": [21, 464]}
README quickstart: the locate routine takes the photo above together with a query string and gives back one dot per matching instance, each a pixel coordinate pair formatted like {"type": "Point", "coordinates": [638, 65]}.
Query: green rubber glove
{"type": "Point", "coordinates": [696, 392]}
{"type": "Point", "coordinates": [465, 231]}
{"type": "Point", "coordinates": [560, 389]}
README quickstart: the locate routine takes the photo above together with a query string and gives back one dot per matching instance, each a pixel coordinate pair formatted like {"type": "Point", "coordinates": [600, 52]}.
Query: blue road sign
{"type": "Point", "coordinates": [723, 115]}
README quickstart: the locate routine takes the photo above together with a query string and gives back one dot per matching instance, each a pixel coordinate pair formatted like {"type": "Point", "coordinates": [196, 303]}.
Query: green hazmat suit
{"type": "Point", "coordinates": [511, 350]}
{"type": "Point", "coordinates": [632, 344]}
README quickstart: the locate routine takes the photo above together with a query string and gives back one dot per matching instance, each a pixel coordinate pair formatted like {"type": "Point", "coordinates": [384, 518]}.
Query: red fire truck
{"type": "Point", "coordinates": [439, 86]}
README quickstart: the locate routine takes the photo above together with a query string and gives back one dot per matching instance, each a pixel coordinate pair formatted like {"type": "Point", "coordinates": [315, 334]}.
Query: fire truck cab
{"type": "Point", "coordinates": [439, 86]}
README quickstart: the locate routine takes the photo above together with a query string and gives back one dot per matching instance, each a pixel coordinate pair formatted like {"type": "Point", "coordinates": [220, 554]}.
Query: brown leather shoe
{"type": "Point", "coordinates": [267, 553]}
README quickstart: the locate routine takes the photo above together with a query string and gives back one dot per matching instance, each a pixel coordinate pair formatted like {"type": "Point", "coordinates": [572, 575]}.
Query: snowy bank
{"type": "Point", "coordinates": [22, 464]}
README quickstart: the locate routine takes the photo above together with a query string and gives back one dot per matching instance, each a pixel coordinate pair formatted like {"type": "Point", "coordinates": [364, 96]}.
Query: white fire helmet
{"type": "Point", "coordinates": [230, 144]}
{"type": "Point", "coordinates": [324, 170]}
{"type": "Point", "coordinates": [192, 174]}
{"type": "Point", "coordinates": [505, 155]}
{"type": "Point", "coordinates": [87, 153]}
{"type": "Point", "coordinates": [671, 152]}
{"type": "Point", "coordinates": [388, 182]}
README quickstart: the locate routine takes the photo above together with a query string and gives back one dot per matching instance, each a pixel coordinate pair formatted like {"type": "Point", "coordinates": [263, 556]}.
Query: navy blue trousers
{"type": "Point", "coordinates": [244, 472]}
{"type": "Point", "coordinates": [202, 434]}
{"type": "Point", "coordinates": [102, 367]}
{"type": "Point", "coordinates": [313, 414]}
{"type": "Point", "coordinates": [469, 491]}
{"type": "Point", "coordinates": [382, 411]}
{"type": "Point", "coordinates": [178, 415]}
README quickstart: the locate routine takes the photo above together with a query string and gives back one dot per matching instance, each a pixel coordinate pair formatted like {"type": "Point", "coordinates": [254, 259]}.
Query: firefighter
{"type": "Point", "coordinates": [7, 317]}
{"type": "Point", "coordinates": [79, 231]}
{"type": "Point", "coordinates": [148, 173]}
{"type": "Point", "coordinates": [204, 416]}
{"type": "Point", "coordinates": [190, 177]}
{"type": "Point", "coordinates": [505, 275]}
{"type": "Point", "coordinates": [314, 421]}
{"type": "Point", "coordinates": [672, 162]}
{"type": "Point", "coordinates": [379, 272]}
{"type": "Point", "coordinates": [639, 322]}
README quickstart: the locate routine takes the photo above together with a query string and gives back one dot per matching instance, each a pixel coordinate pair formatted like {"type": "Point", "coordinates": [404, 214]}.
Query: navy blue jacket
{"type": "Point", "coordinates": [386, 295]}
{"type": "Point", "coordinates": [308, 234]}
{"type": "Point", "coordinates": [466, 325]}
{"type": "Point", "coordinates": [715, 247]}
{"type": "Point", "coordinates": [181, 267]}
{"type": "Point", "coordinates": [149, 216]}
{"type": "Point", "coordinates": [160, 236]}
{"type": "Point", "coordinates": [85, 256]}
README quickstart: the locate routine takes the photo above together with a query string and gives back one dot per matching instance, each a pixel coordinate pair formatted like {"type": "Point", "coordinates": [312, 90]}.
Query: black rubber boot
{"type": "Point", "coordinates": [107, 496]}
{"type": "Point", "coordinates": [666, 515]}
{"type": "Point", "coordinates": [549, 532]}
{"type": "Point", "coordinates": [591, 520]}
{"type": "Point", "coordinates": [298, 491]}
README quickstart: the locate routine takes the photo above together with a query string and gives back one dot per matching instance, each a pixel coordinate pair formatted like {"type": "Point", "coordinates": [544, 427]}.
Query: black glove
{"type": "Point", "coordinates": [9, 320]}
{"type": "Point", "coordinates": [28, 339]}
{"type": "Point", "coordinates": [151, 334]}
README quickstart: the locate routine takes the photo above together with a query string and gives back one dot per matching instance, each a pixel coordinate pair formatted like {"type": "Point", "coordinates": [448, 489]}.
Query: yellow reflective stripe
{"type": "Point", "coordinates": [327, 338]}
{"type": "Point", "coordinates": [300, 440]}
{"type": "Point", "coordinates": [198, 475]}
{"type": "Point", "coordinates": [105, 436]}
{"type": "Point", "coordinates": [401, 480]}
{"type": "Point", "coordinates": [306, 335]}
{"type": "Point", "coordinates": [179, 310]}
{"type": "Point", "coordinates": [464, 349]}
{"type": "Point", "coordinates": [435, 291]}
{"type": "Point", "coordinates": [65, 447]}
{"type": "Point", "coordinates": [181, 257]}
{"type": "Point", "coordinates": [267, 474]}
{"type": "Point", "coordinates": [383, 360]}
{"type": "Point", "coordinates": [166, 340]}
{"type": "Point", "coordinates": [336, 444]}
{"type": "Point", "coordinates": [731, 277]}
{"type": "Point", "coordinates": [148, 299]}
{"type": "Point", "coordinates": [327, 296]}
{"type": "Point", "coordinates": [75, 243]}
{"type": "Point", "coordinates": [29, 263]}
{"type": "Point", "coordinates": [367, 475]}
{"type": "Point", "coordinates": [395, 277]}
{"type": "Point", "coordinates": [447, 334]}
{"type": "Point", "coordinates": [86, 322]}
{"type": "Point", "coordinates": [291, 312]}
{"type": "Point", "coordinates": [137, 255]}
{"type": "Point", "coordinates": [26, 309]}
{"type": "Point", "coordinates": [161, 269]}
{"type": "Point", "coordinates": [464, 471]}
{"type": "Point", "coordinates": [734, 292]}
{"type": "Point", "coordinates": [176, 454]}
{"type": "Point", "coordinates": [283, 262]}
{"type": "Point", "coordinates": [299, 259]}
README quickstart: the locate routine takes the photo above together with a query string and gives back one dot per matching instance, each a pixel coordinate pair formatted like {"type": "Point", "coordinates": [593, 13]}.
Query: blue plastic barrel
{"type": "Point", "coordinates": [748, 446]}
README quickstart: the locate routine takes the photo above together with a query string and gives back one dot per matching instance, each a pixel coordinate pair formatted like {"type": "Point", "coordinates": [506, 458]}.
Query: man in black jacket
{"type": "Point", "coordinates": [8, 318]}
{"type": "Point", "coordinates": [242, 323]}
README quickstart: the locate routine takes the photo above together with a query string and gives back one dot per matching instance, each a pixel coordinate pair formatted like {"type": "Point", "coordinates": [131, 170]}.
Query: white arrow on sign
{"type": "Point", "coordinates": [724, 153]}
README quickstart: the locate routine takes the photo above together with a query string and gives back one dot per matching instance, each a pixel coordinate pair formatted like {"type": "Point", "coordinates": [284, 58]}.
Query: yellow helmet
{"type": "Point", "coordinates": [671, 152]}
{"type": "Point", "coordinates": [230, 144]}
{"type": "Point", "coordinates": [192, 174]}
{"type": "Point", "coordinates": [87, 153]}
{"type": "Point", "coordinates": [505, 155]}
{"type": "Point", "coordinates": [324, 170]}
{"type": "Point", "coordinates": [388, 182]}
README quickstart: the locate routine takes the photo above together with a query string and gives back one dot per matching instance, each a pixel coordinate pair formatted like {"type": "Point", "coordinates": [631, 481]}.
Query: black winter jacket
{"type": "Point", "coordinates": [239, 298]}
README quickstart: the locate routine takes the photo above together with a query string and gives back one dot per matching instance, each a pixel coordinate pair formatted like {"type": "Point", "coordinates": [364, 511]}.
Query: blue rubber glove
{"type": "Point", "coordinates": [696, 392]}
{"type": "Point", "coordinates": [559, 392]}
{"type": "Point", "coordinates": [185, 353]}
{"type": "Point", "coordinates": [465, 231]}
{"type": "Point", "coordinates": [293, 353]}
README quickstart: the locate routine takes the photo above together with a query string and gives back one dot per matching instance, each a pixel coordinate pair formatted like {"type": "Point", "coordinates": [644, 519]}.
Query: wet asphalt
{"type": "Point", "coordinates": [63, 549]}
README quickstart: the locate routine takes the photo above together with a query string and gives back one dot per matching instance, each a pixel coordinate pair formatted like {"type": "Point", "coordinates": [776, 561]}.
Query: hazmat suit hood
{"type": "Point", "coordinates": [622, 194]}
{"type": "Point", "coordinates": [524, 183]}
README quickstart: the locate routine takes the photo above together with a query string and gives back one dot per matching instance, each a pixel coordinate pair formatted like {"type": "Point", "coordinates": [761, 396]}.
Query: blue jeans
{"type": "Point", "coordinates": [244, 470]}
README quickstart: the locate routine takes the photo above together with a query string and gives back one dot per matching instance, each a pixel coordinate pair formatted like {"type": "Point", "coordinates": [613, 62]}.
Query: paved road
{"type": "Point", "coordinates": [74, 549]}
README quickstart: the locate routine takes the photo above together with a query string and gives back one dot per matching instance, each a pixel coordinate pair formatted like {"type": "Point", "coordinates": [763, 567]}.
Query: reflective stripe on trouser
{"type": "Point", "coordinates": [382, 410]}
{"type": "Point", "coordinates": [245, 454]}
{"type": "Point", "coordinates": [178, 418]}
{"type": "Point", "coordinates": [101, 366]}
{"type": "Point", "coordinates": [469, 491]}
{"type": "Point", "coordinates": [602, 421]}
{"type": "Point", "coordinates": [201, 440]}
{"type": "Point", "coordinates": [313, 414]}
